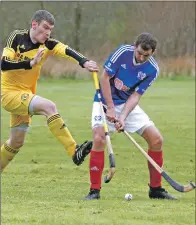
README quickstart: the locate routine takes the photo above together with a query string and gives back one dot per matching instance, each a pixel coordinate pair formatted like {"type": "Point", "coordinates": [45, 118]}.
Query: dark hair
{"type": "Point", "coordinates": [43, 15]}
{"type": "Point", "coordinates": [147, 41]}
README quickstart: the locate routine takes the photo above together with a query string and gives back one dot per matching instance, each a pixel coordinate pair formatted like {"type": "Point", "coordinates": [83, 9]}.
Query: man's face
{"type": "Point", "coordinates": [141, 55]}
{"type": "Point", "coordinates": [42, 31]}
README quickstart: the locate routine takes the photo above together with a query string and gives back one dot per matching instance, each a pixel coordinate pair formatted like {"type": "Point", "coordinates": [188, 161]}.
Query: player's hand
{"type": "Point", "coordinates": [37, 57]}
{"type": "Point", "coordinates": [91, 66]}
{"type": "Point", "coordinates": [110, 114]}
{"type": "Point", "coordinates": [120, 124]}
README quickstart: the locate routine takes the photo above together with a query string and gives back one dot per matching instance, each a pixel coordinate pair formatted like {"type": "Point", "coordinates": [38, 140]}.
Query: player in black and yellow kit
{"type": "Point", "coordinates": [23, 56]}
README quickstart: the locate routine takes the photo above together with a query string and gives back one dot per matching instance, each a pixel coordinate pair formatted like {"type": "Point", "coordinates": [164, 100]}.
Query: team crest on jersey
{"type": "Point", "coordinates": [22, 47]}
{"type": "Point", "coordinates": [24, 96]}
{"type": "Point", "coordinates": [141, 75]}
{"type": "Point", "coordinates": [109, 64]}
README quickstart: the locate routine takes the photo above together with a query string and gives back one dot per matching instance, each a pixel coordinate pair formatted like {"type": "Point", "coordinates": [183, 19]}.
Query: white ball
{"type": "Point", "coordinates": [128, 197]}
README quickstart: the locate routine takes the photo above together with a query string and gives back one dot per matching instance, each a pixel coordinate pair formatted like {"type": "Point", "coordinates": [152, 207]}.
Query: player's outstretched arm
{"type": "Point", "coordinates": [82, 60]}
{"type": "Point", "coordinates": [91, 66]}
{"type": "Point", "coordinates": [59, 49]}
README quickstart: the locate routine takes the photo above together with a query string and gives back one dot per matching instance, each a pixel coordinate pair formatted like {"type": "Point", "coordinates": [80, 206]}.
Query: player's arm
{"type": "Point", "coordinates": [130, 104]}
{"type": "Point", "coordinates": [9, 51]}
{"type": "Point", "coordinates": [71, 53]}
{"type": "Point", "coordinates": [59, 49]}
{"type": "Point", "coordinates": [134, 98]}
{"type": "Point", "coordinates": [111, 67]}
{"type": "Point", "coordinates": [106, 89]}
{"type": "Point", "coordinates": [107, 95]}
{"type": "Point", "coordinates": [8, 64]}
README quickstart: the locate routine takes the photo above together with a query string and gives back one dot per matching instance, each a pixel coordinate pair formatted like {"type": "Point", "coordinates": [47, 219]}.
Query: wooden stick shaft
{"type": "Point", "coordinates": [154, 164]}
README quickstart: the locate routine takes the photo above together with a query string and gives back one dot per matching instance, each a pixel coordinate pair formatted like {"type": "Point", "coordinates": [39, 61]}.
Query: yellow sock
{"type": "Point", "coordinates": [61, 132]}
{"type": "Point", "coordinates": [7, 154]}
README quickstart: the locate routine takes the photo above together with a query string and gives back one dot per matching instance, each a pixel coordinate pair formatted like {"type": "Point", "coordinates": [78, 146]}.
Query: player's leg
{"type": "Point", "coordinates": [138, 121]}
{"type": "Point", "coordinates": [42, 106]}
{"type": "Point", "coordinates": [96, 163]}
{"type": "Point", "coordinates": [155, 143]}
{"type": "Point", "coordinates": [15, 102]}
{"type": "Point", "coordinates": [19, 127]}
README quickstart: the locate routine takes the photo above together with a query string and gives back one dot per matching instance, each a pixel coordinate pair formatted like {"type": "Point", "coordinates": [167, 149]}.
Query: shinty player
{"type": "Point", "coordinates": [23, 56]}
{"type": "Point", "coordinates": [128, 73]}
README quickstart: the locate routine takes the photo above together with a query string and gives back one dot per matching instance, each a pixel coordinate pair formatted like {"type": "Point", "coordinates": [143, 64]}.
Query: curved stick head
{"type": "Point", "coordinates": [177, 186]}
{"type": "Point", "coordinates": [189, 187]}
{"type": "Point", "coordinates": [111, 173]}
{"type": "Point", "coordinates": [106, 179]}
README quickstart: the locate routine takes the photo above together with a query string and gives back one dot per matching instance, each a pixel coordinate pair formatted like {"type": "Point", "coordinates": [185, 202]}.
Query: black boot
{"type": "Point", "coordinates": [160, 193]}
{"type": "Point", "coordinates": [93, 194]}
{"type": "Point", "coordinates": [81, 152]}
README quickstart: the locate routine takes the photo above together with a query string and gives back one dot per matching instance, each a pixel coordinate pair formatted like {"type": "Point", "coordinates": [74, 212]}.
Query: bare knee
{"type": "Point", "coordinates": [43, 106]}
{"type": "Point", "coordinates": [17, 136]}
{"type": "Point", "coordinates": [153, 137]}
{"type": "Point", "coordinates": [98, 139]}
{"type": "Point", "coordinates": [157, 142]}
{"type": "Point", "coordinates": [50, 108]}
{"type": "Point", "coordinates": [16, 143]}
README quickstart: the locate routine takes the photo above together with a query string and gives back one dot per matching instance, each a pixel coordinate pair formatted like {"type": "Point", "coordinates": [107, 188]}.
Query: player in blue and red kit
{"type": "Point", "coordinates": [127, 74]}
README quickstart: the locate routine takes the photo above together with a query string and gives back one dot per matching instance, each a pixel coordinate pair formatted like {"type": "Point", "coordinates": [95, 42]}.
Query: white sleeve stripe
{"type": "Point", "coordinates": [153, 79]}
{"type": "Point", "coordinates": [13, 35]}
{"type": "Point", "coordinates": [114, 58]}
{"type": "Point", "coordinates": [155, 65]}
{"type": "Point", "coordinates": [121, 48]}
{"type": "Point", "coordinates": [151, 58]}
{"type": "Point", "coordinates": [9, 42]}
{"type": "Point", "coordinates": [79, 54]}
{"type": "Point", "coordinates": [116, 53]}
{"type": "Point", "coordinates": [119, 54]}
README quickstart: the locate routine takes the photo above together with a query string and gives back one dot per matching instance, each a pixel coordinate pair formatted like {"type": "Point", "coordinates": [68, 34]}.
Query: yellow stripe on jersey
{"type": "Point", "coordinates": [60, 50]}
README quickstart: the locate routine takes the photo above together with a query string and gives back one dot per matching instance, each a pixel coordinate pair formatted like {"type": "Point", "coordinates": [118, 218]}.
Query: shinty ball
{"type": "Point", "coordinates": [128, 197]}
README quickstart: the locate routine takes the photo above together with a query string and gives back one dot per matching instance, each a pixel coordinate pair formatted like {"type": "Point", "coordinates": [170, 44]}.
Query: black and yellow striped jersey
{"type": "Point", "coordinates": [19, 50]}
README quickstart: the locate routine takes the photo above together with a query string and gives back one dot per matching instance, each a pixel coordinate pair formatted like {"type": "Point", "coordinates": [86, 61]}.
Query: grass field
{"type": "Point", "coordinates": [41, 186]}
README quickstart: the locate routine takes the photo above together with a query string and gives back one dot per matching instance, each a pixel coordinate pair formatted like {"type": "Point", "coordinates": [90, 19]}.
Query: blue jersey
{"type": "Point", "coordinates": [126, 75]}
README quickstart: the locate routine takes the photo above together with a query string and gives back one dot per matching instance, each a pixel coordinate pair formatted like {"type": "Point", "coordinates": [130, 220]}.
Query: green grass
{"type": "Point", "coordinates": [41, 186]}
